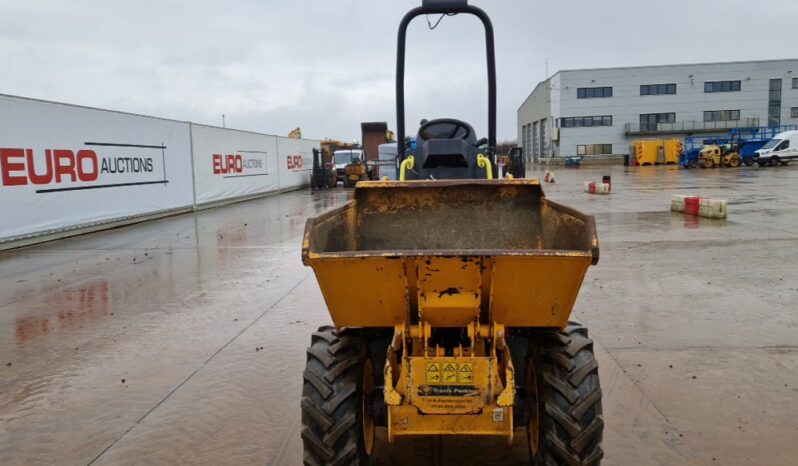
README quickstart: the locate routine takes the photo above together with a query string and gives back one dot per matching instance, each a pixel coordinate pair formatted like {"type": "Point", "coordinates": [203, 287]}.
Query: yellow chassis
{"type": "Point", "coordinates": [449, 296]}
{"type": "Point", "coordinates": [432, 394]}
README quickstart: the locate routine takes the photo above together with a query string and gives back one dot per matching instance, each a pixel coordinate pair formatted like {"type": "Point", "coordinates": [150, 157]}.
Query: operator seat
{"type": "Point", "coordinates": [446, 149]}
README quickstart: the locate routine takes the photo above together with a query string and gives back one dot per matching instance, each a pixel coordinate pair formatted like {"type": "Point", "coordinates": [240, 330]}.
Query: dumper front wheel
{"type": "Point", "coordinates": [568, 427]}
{"type": "Point", "coordinates": [337, 427]}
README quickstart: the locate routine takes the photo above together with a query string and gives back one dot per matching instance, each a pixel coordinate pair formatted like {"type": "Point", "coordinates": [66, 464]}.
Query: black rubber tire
{"type": "Point", "coordinates": [693, 164]}
{"type": "Point", "coordinates": [774, 161]}
{"type": "Point", "coordinates": [569, 403]}
{"type": "Point", "coordinates": [347, 183]}
{"type": "Point", "coordinates": [748, 162]}
{"type": "Point", "coordinates": [332, 395]}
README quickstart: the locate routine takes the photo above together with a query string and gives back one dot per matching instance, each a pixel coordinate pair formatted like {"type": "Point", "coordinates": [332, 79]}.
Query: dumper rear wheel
{"type": "Point", "coordinates": [569, 426]}
{"type": "Point", "coordinates": [337, 427]}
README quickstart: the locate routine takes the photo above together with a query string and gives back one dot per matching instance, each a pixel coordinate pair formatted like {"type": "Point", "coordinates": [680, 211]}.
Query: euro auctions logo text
{"type": "Point", "coordinates": [294, 162]}
{"type": "Point", "coordinates": [20, 167]}
{"type": "Point", "coordinates": [235, 164]}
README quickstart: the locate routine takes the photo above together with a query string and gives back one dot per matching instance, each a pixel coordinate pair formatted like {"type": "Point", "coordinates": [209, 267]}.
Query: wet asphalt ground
{"type": "Point", "coordinates": [182, 340]}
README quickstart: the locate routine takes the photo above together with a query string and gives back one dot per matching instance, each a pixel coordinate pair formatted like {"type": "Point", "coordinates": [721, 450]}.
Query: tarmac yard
{"type": "Point", "coordinates": [182, 340]}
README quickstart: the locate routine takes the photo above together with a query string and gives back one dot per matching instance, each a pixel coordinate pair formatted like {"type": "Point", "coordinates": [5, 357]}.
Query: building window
{"type": "Point", "coordinates": [649, 121]}
{"type": "Point", "coordinates": [795, 83]}
{"type": "Point", "coordinates": [591, 92]}
{"type": "Point", "coordinates": [657, 117]}
{"type": "Point", "coordinates": [594, 149]}
{"type": "Point", "coordinates": [774, 102]}
{"type": "Point", "coordinates": [585, 121]}
{"type": "Point", "coordinates": [794, 112]}
{"type": "Point", "coordinates": [721, 86]}
{"type": "Point", "coordinates": [657, 89]}
{"type": "Point", "coordinates": [721, 115]}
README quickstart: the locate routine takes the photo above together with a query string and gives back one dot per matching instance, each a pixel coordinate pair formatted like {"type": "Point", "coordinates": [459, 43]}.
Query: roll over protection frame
{"type": "Point", "coordinates": [443, 7]}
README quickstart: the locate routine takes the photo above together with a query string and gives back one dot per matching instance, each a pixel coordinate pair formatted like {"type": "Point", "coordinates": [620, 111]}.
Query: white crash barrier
{"type": "Point", "coordinates": [65, 168]}
{"type": "Point", "coordinates": [295, 161]}
{"type": "Point", "coordinates": [596, 188]}
{"type": "Point", "coordinates": [701, 206]}
{"type": "Point", "coordinates": [713, 208]}
{"type": "Point", "coordinates": [230, 164]}
{"type": "Point", "coordinates": [677, 202]}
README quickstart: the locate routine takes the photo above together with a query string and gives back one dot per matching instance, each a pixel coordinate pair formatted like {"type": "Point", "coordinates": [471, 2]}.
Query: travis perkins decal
{"type": "Point", "coordinates": [125, 163]}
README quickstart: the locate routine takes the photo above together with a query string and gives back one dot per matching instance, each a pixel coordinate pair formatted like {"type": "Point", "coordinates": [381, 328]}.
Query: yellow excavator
{"type": "Point", "coordinates": [450, 294]}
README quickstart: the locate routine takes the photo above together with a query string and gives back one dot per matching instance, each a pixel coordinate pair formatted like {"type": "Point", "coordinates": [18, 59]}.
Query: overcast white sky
{"type": "Point", "coordinates": [327, 65]}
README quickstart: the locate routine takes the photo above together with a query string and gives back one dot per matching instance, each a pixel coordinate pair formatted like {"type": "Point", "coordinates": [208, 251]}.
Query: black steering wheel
{"type": "Point", "coordinates": [445, 128]}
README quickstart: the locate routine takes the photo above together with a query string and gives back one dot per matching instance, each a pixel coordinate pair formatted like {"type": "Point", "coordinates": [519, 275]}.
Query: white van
{"type": "Point", "coordinates": [779, 150]}
{"type": "Point", "coordinates": [343, 157]}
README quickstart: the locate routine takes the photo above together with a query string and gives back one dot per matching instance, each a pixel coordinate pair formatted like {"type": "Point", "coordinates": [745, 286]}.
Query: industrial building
{"type": "Point", "coordinates": [598, 112]}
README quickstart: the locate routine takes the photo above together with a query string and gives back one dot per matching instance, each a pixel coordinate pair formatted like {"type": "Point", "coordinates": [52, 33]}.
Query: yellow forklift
{"type": "Point", "coordinates": [323, 174]}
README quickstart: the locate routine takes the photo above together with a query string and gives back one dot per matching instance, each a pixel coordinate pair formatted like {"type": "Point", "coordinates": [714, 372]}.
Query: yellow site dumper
{"type": "Point", "coordinates": [450, 294]}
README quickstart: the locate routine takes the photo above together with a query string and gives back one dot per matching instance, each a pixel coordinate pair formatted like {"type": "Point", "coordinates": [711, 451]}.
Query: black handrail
{"type": "Point", "coordinates": [431, 7]}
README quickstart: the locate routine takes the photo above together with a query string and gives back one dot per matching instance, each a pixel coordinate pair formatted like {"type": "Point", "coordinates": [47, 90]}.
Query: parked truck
{"type": "Point", "coordinates": [374, 134]}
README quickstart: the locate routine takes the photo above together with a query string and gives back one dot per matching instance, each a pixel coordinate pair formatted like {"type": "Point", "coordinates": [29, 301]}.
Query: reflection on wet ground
{"type": "Point", "coordinates": [183, 340]}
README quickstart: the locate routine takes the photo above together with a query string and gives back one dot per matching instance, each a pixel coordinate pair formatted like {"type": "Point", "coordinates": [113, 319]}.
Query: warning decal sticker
{"type": "Point", "coordinates": [433, 372]}
{"type": "Point", "coordinates": [449, 373]}
{"type": "Point", "coordinates": [465, 373]}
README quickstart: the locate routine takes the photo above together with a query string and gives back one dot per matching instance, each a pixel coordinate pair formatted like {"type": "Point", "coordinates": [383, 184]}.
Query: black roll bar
{"type": "Point", "coordinates": [443, 7]}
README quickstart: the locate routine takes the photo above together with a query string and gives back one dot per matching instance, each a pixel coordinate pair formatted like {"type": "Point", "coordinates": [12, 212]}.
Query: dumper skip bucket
{"type": "Point", "coordinates": [499, 242]}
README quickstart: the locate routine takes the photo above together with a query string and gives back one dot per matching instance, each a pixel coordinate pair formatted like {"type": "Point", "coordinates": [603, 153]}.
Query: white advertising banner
{"type": "Point", "coordinates": [63, 166]}
{"type": "Point", "coordinates": [296, 161]}
{"type": "Point", "coordinates": [230, 163]}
